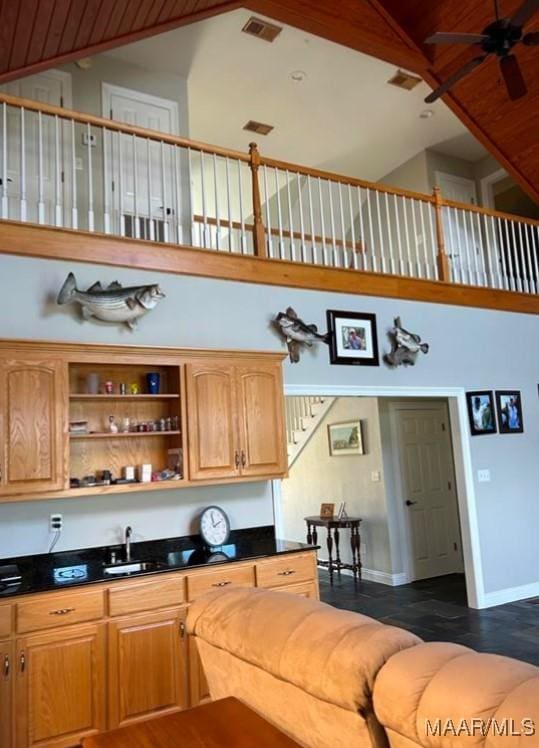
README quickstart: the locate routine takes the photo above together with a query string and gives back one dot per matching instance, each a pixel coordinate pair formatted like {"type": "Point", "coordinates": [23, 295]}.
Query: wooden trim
{"type": "Point", "coordinates": [317, 238]}
{"type": "Point", "coordinates": [109, 124]}
{"type": "Point", "coordinates": [259, 231]}
{"type": "Point", "coordinates": [444, 268]}
{"type": "Point", "coordinates": [29, 240]}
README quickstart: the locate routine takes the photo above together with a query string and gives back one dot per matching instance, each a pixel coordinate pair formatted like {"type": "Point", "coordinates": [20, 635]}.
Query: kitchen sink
{"type": "Point", "coordinates": [132, 567]}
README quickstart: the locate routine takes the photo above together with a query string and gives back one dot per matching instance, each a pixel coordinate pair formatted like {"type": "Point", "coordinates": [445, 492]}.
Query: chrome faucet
{"type": "Point", "coordinates": [128, 533]}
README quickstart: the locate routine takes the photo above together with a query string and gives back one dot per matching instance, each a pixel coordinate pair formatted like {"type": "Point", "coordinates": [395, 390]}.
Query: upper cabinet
{"type": "Point", "coordinates": [235, 420]}
{"type": "Point", "coordinates": [32, 425]}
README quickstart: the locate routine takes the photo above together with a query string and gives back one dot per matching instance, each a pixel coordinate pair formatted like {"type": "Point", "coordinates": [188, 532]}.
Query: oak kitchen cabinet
{"type": "Point", "coordinates": [227, 408]}
{"type": "Point", "coordinates": [33, 424]}
{"type": "Point", "coordinates": [235, 419]}
{"type": "Point", "coordinates": [101, 656]}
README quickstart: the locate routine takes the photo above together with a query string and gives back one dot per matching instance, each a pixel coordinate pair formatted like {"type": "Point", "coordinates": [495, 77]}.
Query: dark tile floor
{"type": "Point", "coordinates": [436, 610]}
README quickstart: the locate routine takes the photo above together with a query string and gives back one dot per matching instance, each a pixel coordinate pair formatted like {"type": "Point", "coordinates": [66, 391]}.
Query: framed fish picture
{"type": "Point", "coordinates": [353, 339]}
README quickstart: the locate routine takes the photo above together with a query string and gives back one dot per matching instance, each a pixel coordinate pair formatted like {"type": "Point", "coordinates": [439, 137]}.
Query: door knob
{"type": "Point", "coordinates": [410, 503]}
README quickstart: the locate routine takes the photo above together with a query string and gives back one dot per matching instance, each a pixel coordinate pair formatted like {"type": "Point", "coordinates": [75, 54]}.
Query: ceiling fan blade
{"type": "Point", "coordinates": [461, 73]}
{"type": "Point", "coordinates": [443, 38]}
{"type": "Point", "coordinates": [525, 12]}
{"type": "Point", "coordinates": [514, 82]}
{"type": "Point", "coordinates": [531, 39]}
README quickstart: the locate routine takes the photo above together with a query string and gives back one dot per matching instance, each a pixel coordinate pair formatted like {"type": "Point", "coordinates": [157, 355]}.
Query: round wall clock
{"type": "Point", "coordinates": [214, 526]}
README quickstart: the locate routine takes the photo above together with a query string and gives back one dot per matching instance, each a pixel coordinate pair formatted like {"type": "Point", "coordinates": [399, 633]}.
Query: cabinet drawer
{"type": "Point", "coordinates": [226, 576]}
{"type": "Point", "coordinates": [131, 598]}
{"type": "Point", "coordinates": [303, 589]}
{"type": "Point", "coordinates": [288, 569]}
{"type": "Point", "coordinates": [5, 620]}
{"type": "Point", "coordinates": [59, 609]}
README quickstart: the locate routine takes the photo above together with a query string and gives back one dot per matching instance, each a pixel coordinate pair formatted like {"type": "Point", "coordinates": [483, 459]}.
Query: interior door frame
{"type": "Point", "coordinates": [405, 539]}
{"type": "Point", "coordinates": [455, 178]}
{"type": "Point", "coordinates": [460, 438]}
{"type": "Point", "coordinates": [487, 183]}
{"type": "Point", "coordinates": [108, 89]}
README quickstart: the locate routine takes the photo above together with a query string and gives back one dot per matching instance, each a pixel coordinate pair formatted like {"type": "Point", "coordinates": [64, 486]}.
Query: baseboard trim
{"type": "Point", "coordinates": [382, 577]}
{"type": "Point", "coordinates": [510, 595]}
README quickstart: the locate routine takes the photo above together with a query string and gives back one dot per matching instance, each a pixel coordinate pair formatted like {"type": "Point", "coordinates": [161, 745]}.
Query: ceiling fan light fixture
{"type": "Point", "coordinates": [426, 113]}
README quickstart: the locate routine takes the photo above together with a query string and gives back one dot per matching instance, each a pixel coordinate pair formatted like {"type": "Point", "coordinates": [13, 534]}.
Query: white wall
{"type": "Point", "coordinates": [317, 477]}
{"type": "Point", "coordinates": [470, 348]}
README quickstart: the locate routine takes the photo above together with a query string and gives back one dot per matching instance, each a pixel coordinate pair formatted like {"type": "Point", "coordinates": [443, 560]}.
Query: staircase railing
{"type": "Point", "coordinates": [67, 169]}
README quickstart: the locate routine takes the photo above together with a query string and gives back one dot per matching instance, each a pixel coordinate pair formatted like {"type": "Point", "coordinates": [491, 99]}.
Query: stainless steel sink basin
{"type": "Point", "coordinates": [131, 567]}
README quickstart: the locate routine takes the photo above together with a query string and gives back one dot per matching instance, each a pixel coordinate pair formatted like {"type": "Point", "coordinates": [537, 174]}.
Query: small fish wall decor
{"type": "Point", "coordinates": [112, 304]}
{"type": "Point", "coordinates": [297, 333]}
{"type": "Point", "coordinates": [405, 346]}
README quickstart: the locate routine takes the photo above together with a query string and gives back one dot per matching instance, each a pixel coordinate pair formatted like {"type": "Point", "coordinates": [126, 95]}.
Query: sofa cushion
{"type": "Point", "coordinates": [461, 690]}
{"type": "Point", "coordinates": [332, 654]}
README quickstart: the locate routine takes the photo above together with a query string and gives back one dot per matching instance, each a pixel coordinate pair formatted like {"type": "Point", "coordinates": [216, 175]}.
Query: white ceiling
{"type": "Point", "coordinates": [343, 116]}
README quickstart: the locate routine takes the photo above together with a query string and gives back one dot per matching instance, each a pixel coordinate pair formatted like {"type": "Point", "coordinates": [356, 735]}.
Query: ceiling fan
{"type": "Point", "coordinates": [497, 38]}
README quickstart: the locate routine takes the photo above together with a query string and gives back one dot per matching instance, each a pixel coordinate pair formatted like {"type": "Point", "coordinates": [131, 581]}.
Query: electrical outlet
{"type": "Point", "coordinates": [483, 476]}
{"type": "Point", "coordinates": [88, 139]}
{"type": "Point", "coordinates": [375, 476]}
{"type": "Point", "coordinates": [78, 163]}
{"type": "Point", "coordinates": [56, 523]}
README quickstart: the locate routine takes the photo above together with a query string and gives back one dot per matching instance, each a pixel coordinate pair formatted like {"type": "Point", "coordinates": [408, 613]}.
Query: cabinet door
{"type": "Point", "coordinates": [212, 421]}
{"type": "Point", "coordinates": [147, 667]}
{"type": "Point", "coordinates": [261, 407]}
{"type": "Point", "coordinates": [33, 413]}
{"type": "Point", "coordinates": [60, 687]}
{"type": "Point", "coordinates": [198, 685]}
{"type": "Point", "coordinates": [6, 693]}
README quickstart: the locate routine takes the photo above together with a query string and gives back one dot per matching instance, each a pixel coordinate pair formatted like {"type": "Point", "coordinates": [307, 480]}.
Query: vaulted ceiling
{"type": "Point", "coordinates": [36, 35]}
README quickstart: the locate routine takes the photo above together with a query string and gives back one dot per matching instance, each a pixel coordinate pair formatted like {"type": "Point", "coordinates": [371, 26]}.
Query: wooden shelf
{"type": "Point", "coordinates": [121, 435]}
{"type": "Point", "coordinates": [117, 396]}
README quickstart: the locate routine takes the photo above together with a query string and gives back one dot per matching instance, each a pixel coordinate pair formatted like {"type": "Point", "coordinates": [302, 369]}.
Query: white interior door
{"type": "Point", "coordinates": [430, 500]}
{"type": "Point", "coordinates": [36, 149]}
{"type": "Point", "coordinates": [460, 238]}
{"type": "Point", "coordinates": [146, 180]}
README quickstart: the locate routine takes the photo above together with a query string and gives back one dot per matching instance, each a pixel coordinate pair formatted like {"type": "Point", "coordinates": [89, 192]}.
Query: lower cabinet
{"type": "Point", "coordinates": [6, 693]}
{"type": "Point", "coordinates": [147, 666]}
{"type": "Point", "coordinates": [60, 692]}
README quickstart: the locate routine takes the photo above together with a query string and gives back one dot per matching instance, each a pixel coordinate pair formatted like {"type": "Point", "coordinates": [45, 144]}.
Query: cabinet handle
{"type": "Point", "coordinates": [220, 584]}
{"type": "Point", "coordinates": [243, 459]}
{"type": "Point", "coordinates": [286, 573]}
{"type": "Point", "coordinates": [7, 666]}
{"type": "Point", "coordinates": [61, 611]}
{"type": "Point", "coordinates": [22, 661]}
{"type": "Point", "coordinates": [237, 459]}
{"type": "Point", "coordinates": [182, 629]}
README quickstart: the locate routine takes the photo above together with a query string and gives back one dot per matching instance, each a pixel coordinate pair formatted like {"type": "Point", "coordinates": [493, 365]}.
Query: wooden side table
{"type": "Point", "coordinates": [335, 525]}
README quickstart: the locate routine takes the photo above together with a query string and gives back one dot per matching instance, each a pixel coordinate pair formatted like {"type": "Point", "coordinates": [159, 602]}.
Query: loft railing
{"type": "Point", "coordinates": [71, 170]}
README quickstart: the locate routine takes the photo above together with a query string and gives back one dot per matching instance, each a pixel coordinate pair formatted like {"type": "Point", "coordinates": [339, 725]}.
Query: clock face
{"type": "Point", "coordinates": [214, 526]}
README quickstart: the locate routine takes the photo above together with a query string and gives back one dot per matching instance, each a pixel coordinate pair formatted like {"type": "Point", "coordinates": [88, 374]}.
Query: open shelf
{"type": "Point", "coordinates": [117, 396]}
{"type": "Point", "coordinates": [122, 435]}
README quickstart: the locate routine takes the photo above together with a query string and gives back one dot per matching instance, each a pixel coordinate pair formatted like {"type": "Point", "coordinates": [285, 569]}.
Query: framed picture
{"type": "Point", "coordinates": [327, 511]}
{"type": "Point", "coordinates": [509, 408]}
{"type": "Point", "coordinates": [481, 412]}
{"type": "Point", "coordinates": [345, 438]}
{"type": "Point", "coordinates": [353, 338]}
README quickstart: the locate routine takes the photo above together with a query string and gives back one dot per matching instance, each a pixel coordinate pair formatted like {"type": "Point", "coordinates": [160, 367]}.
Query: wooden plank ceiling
{"type": "Point", "coordinates": [36, 35]}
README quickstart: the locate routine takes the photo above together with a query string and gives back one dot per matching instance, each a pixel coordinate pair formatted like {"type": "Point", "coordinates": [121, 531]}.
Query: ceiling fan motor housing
{"type": "Point", "coordinates": [502, 37]}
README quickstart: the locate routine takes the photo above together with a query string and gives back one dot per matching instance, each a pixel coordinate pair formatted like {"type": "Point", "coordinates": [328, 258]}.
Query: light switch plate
{"type": "Point", "coordinates": [375, 476]}
{"type": "Point", "coordinates": [483, 476]}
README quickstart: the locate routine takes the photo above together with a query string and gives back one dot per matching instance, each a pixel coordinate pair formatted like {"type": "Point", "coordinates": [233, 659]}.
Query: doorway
{"type": "Point", "coordinates": [461, 512]}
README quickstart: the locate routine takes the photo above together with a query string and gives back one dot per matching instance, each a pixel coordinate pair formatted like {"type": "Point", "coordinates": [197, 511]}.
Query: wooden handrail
{"type": "Point", "coordinates": [358, 246]}
{"type": "Point", "coordinates": [125, 128]}
{"type": "Point", "coordinates": [488, 212]}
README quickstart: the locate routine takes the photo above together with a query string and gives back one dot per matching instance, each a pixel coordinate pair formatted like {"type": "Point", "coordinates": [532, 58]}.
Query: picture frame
{"type": "Point", "coordinates": [509, 411]}
{"type": "Point", "coordinates": [327, 511]}
{"type": "Point", "coordinates": [353, 339]}
{"type": "Point", "coordinates": [345, 438]}
{"type": "Point", "coordinates": [481, 412]}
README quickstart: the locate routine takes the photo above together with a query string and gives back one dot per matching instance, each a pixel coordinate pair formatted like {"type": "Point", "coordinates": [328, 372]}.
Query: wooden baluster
{"type": "Point", "coordinates": [444, 266]}
{"type": "Point", "coordinates": [259, 232]}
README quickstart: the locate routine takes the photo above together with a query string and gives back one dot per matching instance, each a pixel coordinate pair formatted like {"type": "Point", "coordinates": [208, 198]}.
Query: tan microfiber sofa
{"type": "Point", "coordinates": [335, 679]}
{"type": "Point", "coordinates": [305, 666]}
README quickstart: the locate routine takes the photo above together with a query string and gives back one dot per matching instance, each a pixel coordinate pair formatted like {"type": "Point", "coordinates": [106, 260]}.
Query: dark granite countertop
{"type": "Point", "coordinates": [66, 569]}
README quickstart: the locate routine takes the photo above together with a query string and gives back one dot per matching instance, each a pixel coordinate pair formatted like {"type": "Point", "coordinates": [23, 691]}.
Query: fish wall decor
{"type": "Point", "coordinates": [297, 333]}
{"type": "Point", "coordinates": [112, 304]}
{"type": "Point", "coordinates": [405, 346]}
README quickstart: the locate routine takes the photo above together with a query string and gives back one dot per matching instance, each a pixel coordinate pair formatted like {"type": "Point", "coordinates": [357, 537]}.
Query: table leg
{"type": "Point", "coordinates": [353, 548]}
{"type": "Point", "coordinates": [309, 535]}
{"type": "Point", "coordinates": [355, 540]}
{"type": "Point", "coordinates": [315, 536]}
{"type": "Point", "coordinates": [330, 557]}
{"type": "Point", "coordinates": [358, 552]}
{"type": "Point", "coordinates": [337, 554]}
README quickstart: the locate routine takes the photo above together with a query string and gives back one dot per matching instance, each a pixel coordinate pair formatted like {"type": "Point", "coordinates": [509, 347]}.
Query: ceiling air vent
{"type": "Point", "coordinates": [405, 80]}
{"type": "Point", "coordinates": [262, 29]}
{"type": "Point", "coordinates": [259, 127]}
